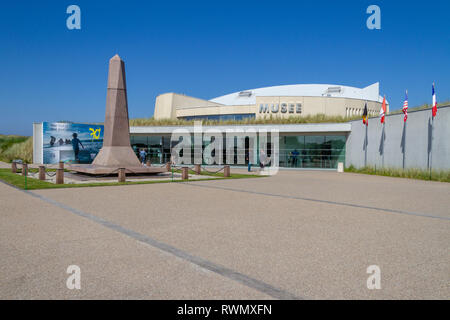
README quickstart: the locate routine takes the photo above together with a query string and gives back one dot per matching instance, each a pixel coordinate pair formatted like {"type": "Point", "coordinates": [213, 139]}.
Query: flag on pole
{"type": "Point", "coordinates": [434, 109]}
{"type": "Point", "coordinates": [364, 116]}
{"type": "Point", "coordinates": [405, 107]}
{"type": "Point", "coordinates": [383, 110]}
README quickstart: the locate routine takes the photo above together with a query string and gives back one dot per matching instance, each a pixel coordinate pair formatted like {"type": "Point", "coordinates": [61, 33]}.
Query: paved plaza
{"type": "Point", "coordinates": [296, 235]}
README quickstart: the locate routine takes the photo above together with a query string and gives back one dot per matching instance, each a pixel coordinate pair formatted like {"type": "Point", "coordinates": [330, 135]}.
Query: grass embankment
{"type": "Point", "coordinates": [33, 184]}
{"type": "Point", "coordinates": [318, 118]}
{"type": "Point", "coordinates": [436, 175]}
{"type": "Point", "coordinates": [16, 147]}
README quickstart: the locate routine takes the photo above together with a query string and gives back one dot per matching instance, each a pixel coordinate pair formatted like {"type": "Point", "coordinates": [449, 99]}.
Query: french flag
{"type": "Point", "coordinates": [434, 109]}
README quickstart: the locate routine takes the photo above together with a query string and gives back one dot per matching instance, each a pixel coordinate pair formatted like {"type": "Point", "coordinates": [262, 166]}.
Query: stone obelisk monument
{"type": "Point", "coordinates": [116, 150]}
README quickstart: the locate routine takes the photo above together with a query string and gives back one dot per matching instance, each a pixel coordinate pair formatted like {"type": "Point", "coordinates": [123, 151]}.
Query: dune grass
{"type": "Point", "coordinates": [270, 119]}
{"type": "Point", "coordinates": [16, 147]}
{"type": "Point", "coordinates": [318, 118]}
{"type": "Point", "coordinates": [7, 141]}
{"type": "Point", "coordinates": [435, 175]}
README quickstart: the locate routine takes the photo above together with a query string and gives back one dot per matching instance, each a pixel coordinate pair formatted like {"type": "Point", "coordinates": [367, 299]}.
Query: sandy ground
{"type": "Point", "coordinates": [301, 234]}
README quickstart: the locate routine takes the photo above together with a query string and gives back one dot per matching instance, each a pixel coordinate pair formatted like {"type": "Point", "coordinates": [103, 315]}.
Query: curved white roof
{"type": "Point", "coordinates": [248, 97]}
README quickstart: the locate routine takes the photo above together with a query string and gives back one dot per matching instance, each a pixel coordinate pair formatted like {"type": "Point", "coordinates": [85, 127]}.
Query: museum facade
{"type": "Point", "coordinates": [273, 102]}
{"type": "Point", "coordinates": [319, 146]}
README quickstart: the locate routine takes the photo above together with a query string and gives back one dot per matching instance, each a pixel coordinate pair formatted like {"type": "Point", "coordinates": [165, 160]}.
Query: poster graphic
{"type": "Point", "coordinates": [71, 142]}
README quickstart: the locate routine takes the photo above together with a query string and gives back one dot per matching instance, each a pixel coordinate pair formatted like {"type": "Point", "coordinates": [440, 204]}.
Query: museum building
{"type": "Point", "coordinates": [320, 145]}
{"type": "Point", "coordinates": [273, 102]}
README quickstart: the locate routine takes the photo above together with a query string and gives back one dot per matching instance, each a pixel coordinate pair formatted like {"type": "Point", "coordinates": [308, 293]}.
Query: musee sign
{"type": "Point", "coordinates": [285, 108]}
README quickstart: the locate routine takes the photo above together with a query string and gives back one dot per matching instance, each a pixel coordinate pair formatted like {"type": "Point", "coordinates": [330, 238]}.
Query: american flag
{"type": "Point", "coordinates": [405, 107]}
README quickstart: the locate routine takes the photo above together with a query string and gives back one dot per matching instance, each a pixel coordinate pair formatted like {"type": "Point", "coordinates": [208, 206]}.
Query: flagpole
{"type": "Point", "coordinates": [405, 119]}
{"type": "Point", "coordinates": [367, 141]}
{"type": "Point", "coordinates": [432, 124]}
{"type": "Point", "coordinates": [404, 144]}
{"type": "Point", "coordinates": [384, 132]}
{"type": "Point", "coordinates": [383, 119]}
{"type": "Point", "coordinates": [431, 145]}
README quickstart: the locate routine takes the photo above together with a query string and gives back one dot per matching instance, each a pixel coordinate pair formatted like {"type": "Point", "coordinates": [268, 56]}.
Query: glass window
{"type": "Point", "coordinates": [337, 149]}
{"type": "Point", "coordinates": [290, 149]}
{"type": "Point", "coordinates": [138, 142]}
{"type": "Point", "coordinates": [311, 151]}
{"type": "Point", "coordinates": [222, 117]}
{"type": "Point", "coordinates": [302, 151]}
{"type": "Point", "coordinates": [292, 142]}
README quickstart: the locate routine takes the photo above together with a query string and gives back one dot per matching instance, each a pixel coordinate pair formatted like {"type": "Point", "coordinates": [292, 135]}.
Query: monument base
{"type": "Point", "coordinates": [113, 170]}
{"type": "Point", "coordinates": [116, 156]}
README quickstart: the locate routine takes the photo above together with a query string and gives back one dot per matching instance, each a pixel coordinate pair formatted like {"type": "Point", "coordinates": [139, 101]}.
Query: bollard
{"type": "Point", "coordinates": [168, 166]}
{"type": "Point", "coordinates": [121, 175]}
{"type": "Point", "coordinates": [197, 169]}
{"type": "Point", "coordinates": [24, 169]}
{"type": "Point", "coordinates": [61, 165]}
{"type": "Point", "coordinates": [14, 167]}
{"type": "Point", "coordinates": [185, 173]}
{"type": "Point", "coordinates": [226, 171]}
{"type": "Point", "coordinates": [59, 176]}
{"type": "Point", "coordinates": [41, 172]}
{"type": "Point", "coordinates": [148, 163]}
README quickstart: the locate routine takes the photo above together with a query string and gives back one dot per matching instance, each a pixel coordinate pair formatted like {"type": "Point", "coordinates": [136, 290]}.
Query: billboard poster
{"type": "Point", "coordinates": [71, 142]}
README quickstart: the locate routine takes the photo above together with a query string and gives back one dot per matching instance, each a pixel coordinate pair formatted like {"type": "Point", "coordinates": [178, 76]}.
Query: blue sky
{"type": "Point", "coordinates": [210, 48]}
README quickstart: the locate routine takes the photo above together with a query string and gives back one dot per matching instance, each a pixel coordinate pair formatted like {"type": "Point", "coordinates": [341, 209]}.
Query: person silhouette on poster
{"type": "Point", "coordinates": [76, 148]}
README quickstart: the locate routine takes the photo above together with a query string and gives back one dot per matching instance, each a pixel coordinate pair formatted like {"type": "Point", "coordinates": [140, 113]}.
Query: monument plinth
{"type": "Point", "coordinates": [116, 151]}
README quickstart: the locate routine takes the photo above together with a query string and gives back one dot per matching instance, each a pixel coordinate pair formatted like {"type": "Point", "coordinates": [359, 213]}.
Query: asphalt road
{"type": "Point", "coordinates": [296, 235]}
